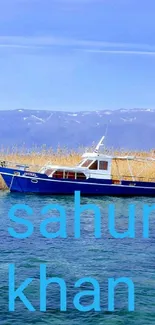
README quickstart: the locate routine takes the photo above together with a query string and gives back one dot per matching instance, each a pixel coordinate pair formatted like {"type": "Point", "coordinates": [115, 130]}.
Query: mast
{"type": "Point", "coordinates": [99, 144]}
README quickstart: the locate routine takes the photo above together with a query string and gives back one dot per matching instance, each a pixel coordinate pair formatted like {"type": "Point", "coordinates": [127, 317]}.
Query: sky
{"type": "Point", "coordinates": [77, 54]}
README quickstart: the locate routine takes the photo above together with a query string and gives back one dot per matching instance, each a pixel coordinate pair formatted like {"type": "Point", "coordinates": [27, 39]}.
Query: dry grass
{"type": "Point", "coordinates": [120, 169]}
{"type": "Point", "coordinates": [35, 159]}
{"type": "Point", "coordinates": [141, 171]}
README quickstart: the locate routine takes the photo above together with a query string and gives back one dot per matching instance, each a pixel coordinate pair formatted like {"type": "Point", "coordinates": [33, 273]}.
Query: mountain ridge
{"type": "Point", "coordinates": [124, 128]}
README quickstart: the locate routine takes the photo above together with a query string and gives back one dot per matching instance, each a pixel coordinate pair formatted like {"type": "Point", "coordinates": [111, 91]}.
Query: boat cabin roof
{"type": "Point", "coordinates": [95, 155]}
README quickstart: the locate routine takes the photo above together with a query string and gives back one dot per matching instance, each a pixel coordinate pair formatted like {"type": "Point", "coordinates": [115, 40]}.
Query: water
{"type": "Point", "coordinates": [72, 259]}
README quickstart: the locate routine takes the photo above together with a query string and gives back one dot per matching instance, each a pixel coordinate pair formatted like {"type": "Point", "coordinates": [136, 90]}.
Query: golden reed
{"type": "Point", "coordinates": [144, 171]}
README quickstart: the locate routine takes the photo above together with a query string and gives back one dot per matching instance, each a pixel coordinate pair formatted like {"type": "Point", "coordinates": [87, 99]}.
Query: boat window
{"type": "Point", "coordinates": [80, 163]}
{"type": "Point", "coordinates": [81, 176]}
{"type": "Point", "coordinates": [87, 163]}
{"type": "Point", "coordinates": [48, 171]}
{"type": "Point", "coordinates": [93, 165]}
{"type": "Point", "coordinates": [103, 165]}
{"type": "Point", "coordinates": [58, 174]}
{"type": "Point", "coordinates": [70, 175]}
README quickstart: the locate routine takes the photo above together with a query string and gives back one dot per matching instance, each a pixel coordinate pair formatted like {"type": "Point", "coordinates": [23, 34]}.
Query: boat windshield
{"type": "Point", "coordinates": [95, 164]}
{"type": "Point", "coordinates": [86, 163]}
{"type": "Point", "coordinates": [92, 164]}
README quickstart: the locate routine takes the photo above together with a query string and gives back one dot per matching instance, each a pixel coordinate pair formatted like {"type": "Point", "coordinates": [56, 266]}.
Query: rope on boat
{"type": "Point", "coordinates": [130, 169]}
{"type": "Point", "coordinates": [11, 183]}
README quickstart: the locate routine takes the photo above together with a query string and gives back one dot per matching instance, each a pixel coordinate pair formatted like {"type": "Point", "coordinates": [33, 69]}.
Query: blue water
{"type": "Point", "coordinates": [72, 259]}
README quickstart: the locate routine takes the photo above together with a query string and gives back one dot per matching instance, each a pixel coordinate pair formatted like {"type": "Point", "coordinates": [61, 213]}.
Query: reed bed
{"type": "Point", "coordinates": [144, 171]}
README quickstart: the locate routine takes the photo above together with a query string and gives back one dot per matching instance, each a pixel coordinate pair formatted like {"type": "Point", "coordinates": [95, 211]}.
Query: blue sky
{"type": "Point", "coordinates": [77, 54]}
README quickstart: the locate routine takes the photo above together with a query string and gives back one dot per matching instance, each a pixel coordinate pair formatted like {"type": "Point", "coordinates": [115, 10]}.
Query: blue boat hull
{"type": "Point", "coordinates": [20, 181]}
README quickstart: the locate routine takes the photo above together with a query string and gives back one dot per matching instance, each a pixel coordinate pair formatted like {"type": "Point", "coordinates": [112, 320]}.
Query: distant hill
{"type": "Point", "coordinates": [128, 129]}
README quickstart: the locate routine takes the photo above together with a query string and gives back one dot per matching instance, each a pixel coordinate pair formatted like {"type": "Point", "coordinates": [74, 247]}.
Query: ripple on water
{"type": "Point", "coordinates": [72, 259]}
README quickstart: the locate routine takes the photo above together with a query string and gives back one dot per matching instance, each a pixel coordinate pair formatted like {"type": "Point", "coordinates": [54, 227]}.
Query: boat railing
{"type": "Point", "coordinates": [136, 178]}
{"type": "Point", "coordinates": [19, 165]}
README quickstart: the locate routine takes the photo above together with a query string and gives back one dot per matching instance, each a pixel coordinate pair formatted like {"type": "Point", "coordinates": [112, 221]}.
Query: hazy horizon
{"type": "Point", "coordinates": [79, 110]}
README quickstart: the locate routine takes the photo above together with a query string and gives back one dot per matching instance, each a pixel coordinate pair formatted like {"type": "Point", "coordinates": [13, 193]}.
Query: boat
{"type": "Point", "coordinates": [92, 176]}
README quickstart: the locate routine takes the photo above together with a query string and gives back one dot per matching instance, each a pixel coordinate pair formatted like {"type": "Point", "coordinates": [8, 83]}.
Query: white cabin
{"type": "Point", "coordinates": [98, 165]}
{"type": "Point", "coordinates": [92, 165]}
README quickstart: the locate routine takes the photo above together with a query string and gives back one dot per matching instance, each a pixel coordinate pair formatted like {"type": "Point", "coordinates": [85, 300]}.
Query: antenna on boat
{"type": "Point", "coordinates": [101, 141]}
{"type": "Point", "coordinates": [99, 144]}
